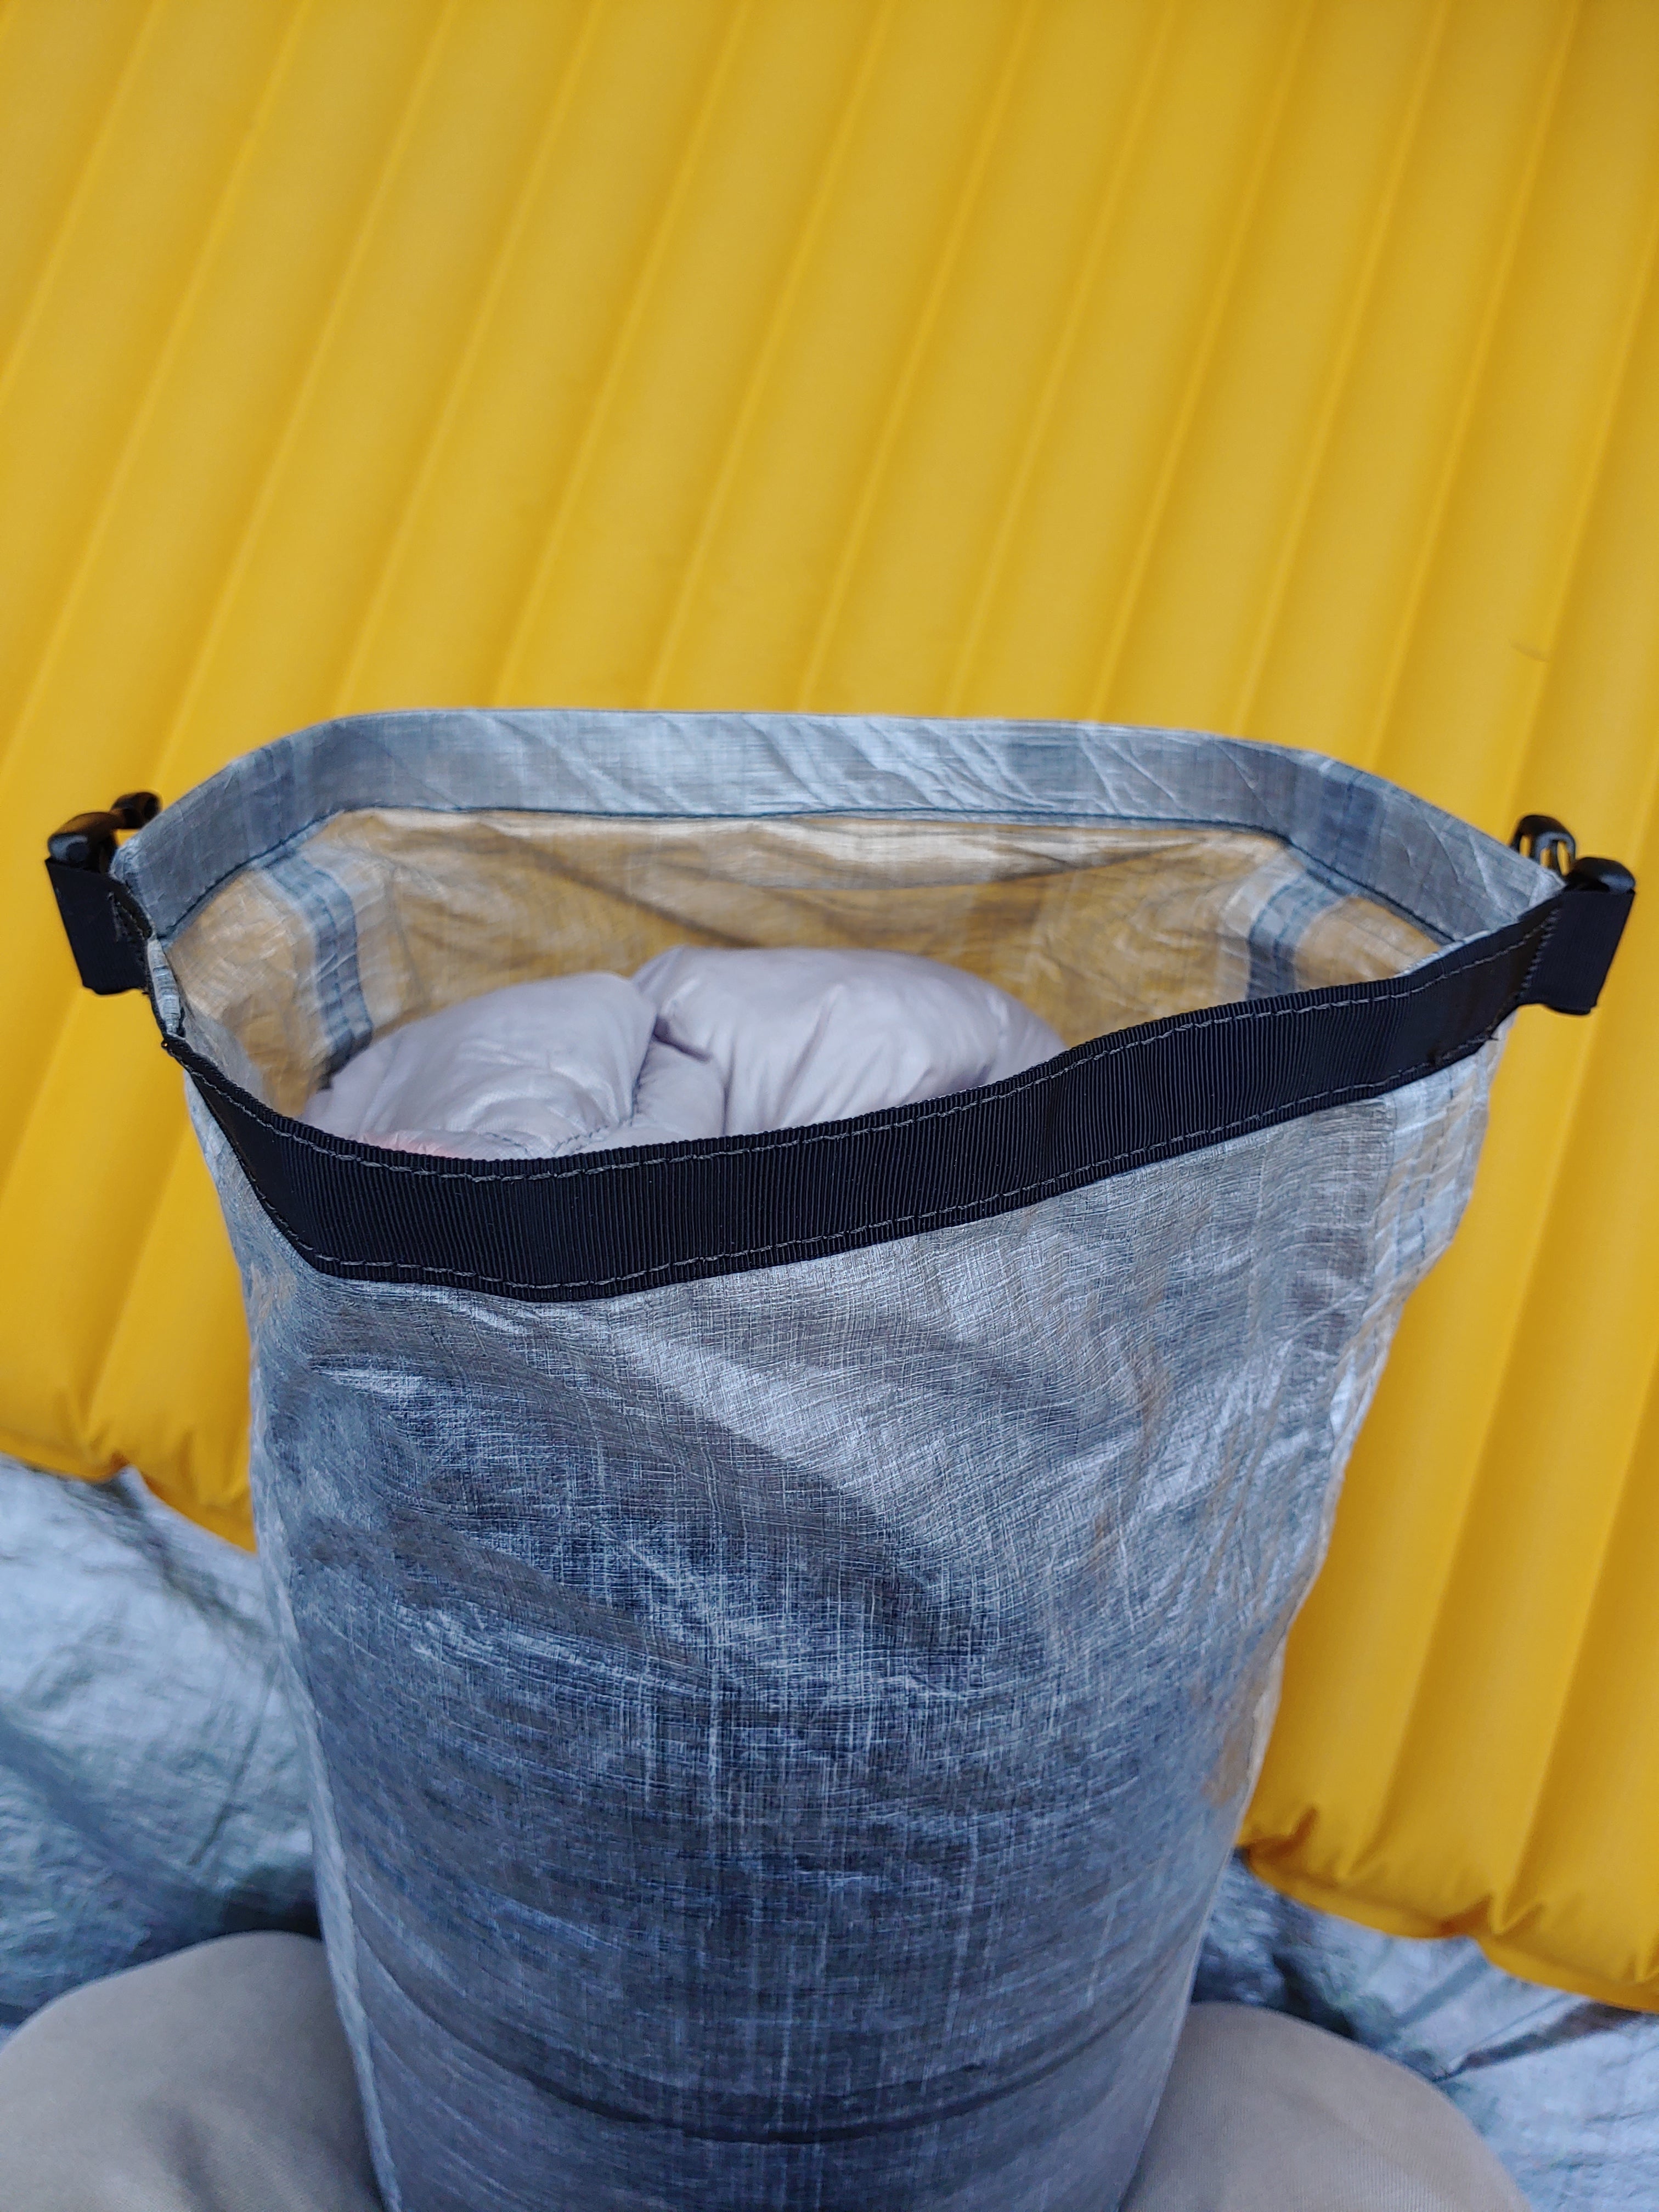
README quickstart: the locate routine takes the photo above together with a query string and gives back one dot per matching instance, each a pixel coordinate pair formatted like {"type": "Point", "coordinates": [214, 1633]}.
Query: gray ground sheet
{"type": "Point", "coordinates": [151, 1789]}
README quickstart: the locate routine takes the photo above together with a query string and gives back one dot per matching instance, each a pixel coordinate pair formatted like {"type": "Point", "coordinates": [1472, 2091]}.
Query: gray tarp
{"type": "Point", "coordinates": [150, 1788]}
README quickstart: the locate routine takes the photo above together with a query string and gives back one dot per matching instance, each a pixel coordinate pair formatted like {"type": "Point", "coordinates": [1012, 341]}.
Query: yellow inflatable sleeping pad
{"type": "Point", "coordinates": [1285, 369]}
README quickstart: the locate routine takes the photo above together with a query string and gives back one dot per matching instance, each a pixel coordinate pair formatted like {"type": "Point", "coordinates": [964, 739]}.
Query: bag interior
{"type": "Point", "coordinates": [379, 916]}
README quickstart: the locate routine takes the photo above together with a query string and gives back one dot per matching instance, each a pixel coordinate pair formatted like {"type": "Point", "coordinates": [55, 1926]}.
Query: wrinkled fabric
{"type": "Point", "coordinates": [355, 877]}
{"type": "Point", "coordinates": [802, 1036]}
{"type": "Point", "coordinates": [701, 1044]}
{"type": "Point", "coordinates": [1564, 2090]}
{"type": "Point", "coordinates": [774, 1738]}
{"type": "Point", "coordinates": [151, 1793]}
{"type": "Point", "coordinates": [565, 1065]}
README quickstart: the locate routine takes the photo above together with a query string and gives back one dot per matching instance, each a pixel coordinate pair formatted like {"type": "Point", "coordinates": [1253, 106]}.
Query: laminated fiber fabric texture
{"type": "Point", "coordinates": [781, 1675]}
{"type": "Point", "coordinates": [1285, 369]}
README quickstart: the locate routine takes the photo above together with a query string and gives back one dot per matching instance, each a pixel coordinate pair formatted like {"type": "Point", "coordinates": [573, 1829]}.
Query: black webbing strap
{"type": "Point", "coordinates": [1589, 919]}
{"type": "Point", "coordinates": [102, 922]}
{"type": "Point", "coordinates": [600, 1224]}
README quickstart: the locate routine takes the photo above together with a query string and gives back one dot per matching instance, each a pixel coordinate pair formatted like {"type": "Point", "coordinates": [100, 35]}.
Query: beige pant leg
{"type": "Point", "coordinates": [1265, 2114]}
{"type": "Point", "coordinates": [215, 2080]}
{"type": "Point", "coordinates": [218, 2081]}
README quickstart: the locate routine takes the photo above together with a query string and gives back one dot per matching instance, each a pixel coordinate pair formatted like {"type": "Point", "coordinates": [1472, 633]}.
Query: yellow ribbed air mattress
{"type": "Point", "coordinates": [1286, 369]}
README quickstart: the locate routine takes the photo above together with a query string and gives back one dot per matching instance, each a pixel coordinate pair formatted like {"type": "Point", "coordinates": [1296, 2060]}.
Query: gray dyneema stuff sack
{"type": "Point", "coordinates": [784, 1624]}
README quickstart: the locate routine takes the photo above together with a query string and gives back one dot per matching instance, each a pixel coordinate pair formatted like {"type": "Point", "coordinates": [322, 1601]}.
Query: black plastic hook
{"type": "Point", "coordinates": [1546, 840]}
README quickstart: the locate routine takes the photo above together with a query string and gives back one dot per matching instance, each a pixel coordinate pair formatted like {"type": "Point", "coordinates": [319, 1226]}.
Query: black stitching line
{"type": "Point", "coordinates": [869, 1232]}
{"type": "Point", "coordinates": [902, 1224]}
{"type": "Point", "coordinates": [982, 1100]}
{"type": "Point", "coordinates": [668, 1271]}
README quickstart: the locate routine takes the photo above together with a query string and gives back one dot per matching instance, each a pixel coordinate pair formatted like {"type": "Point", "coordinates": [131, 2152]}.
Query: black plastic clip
{"type": "Point", "coordinates": [1594, 907]}
{"type": "Point", "coordinates": [1546, 840]}
{"type": "Point", "coordinates": [105, 928]}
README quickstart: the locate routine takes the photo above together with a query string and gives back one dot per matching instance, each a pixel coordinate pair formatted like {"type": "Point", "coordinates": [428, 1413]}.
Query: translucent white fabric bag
{"type": "Point", "coordinates": [784, 1624]}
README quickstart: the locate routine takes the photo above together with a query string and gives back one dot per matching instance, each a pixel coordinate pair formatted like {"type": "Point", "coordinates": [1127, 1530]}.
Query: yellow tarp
{"type": "Point", "coordinates": [1284, 369]}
